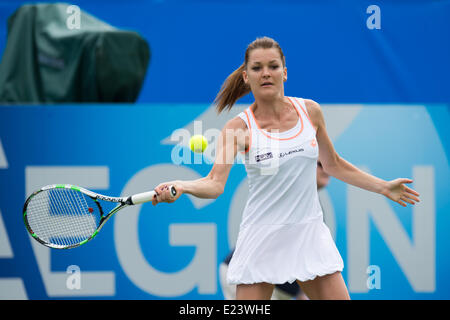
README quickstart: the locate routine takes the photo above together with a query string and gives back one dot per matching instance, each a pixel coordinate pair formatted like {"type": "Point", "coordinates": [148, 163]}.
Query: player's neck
{"type": "Point", "coordinates": [272, 107]}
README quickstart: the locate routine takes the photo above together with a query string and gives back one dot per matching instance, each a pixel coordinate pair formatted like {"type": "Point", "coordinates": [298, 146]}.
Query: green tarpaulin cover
{"type": "Point", "coordinates": [54, 55]}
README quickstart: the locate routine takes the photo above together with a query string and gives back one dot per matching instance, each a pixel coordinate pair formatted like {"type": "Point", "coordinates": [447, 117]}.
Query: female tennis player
{"type": "Point", "coordinates": [282, 236]}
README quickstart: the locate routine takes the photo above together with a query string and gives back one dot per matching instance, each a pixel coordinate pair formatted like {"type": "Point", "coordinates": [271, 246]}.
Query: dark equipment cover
{"type": "Point", "coordinates": [47, 60]}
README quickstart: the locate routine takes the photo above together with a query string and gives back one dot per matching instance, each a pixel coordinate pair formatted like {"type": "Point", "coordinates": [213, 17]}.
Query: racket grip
{"type": "Point", "coordinates": [148, 196]}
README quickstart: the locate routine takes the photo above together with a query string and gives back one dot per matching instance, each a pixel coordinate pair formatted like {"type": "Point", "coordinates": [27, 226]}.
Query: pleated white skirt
{"type": "Point", "coordinates": [284, 253]}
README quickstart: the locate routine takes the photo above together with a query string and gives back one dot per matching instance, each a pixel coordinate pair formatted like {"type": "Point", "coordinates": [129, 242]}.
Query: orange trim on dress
{"type": "Point", "coordinates": [249, 126]}
{"type": "Point", "coordinates": [275, 138]}
{"type": "Point", "coordinates": [304, 111]}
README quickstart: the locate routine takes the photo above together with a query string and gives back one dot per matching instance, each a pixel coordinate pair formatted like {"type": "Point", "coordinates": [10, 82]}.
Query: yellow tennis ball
{"type": "Point", "coordinates": [198, 143]}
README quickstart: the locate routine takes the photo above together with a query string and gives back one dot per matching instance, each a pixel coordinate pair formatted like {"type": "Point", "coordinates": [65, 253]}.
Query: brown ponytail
{"type": "Point", "coordinates": [232, 90]}
{"type": "Point", "coordinates": [234, 86]}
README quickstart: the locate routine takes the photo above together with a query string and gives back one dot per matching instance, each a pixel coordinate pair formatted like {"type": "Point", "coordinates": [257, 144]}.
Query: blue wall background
{"type": "Point", "coordinates": [331, 54]}
{"type": "Point", "coordinates": [393, 81]}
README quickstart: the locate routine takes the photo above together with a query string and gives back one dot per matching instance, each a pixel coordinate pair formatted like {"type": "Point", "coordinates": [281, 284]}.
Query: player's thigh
{"type": "Point", "coordinates": [327, 287]}
{"type": "Point", "coordinates": [255, 291]}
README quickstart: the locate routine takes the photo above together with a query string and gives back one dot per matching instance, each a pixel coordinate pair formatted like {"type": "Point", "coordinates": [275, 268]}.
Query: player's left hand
{"type": "Point", "coordinates": [397, 191]}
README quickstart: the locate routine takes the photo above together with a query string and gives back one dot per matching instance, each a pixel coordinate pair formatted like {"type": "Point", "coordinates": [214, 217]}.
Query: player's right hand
{"type": "Point", "coordinates": [163, 193]}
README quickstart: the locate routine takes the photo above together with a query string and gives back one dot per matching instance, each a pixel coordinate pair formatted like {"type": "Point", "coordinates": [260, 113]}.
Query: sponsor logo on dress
{"type": "Point", "coordinates": [262, 157]}
{"type": "Point", "coordinates": [287, 153]}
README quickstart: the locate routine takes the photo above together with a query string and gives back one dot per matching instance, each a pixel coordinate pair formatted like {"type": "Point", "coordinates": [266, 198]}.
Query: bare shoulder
{"type": "Point", "coordinates": [312, 107]}
{"type": "Point", "coordinates": [236, 124]}
{"type": "Point", "coordinates": [314, 111]}
{"type": "Point", "coordinates": [235, 131]}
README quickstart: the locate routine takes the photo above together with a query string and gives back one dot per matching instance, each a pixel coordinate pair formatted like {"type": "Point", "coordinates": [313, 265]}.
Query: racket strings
{"type": "Point", "coordinates": [62, 217]}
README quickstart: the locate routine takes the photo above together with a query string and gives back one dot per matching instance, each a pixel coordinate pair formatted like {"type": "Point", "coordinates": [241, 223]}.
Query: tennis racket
{"type": "Point", "coordinates": [64, 216]}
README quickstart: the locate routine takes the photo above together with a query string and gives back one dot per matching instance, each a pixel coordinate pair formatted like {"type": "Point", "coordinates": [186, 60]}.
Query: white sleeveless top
{"type": "Point", "coordinates": [282, 236]}
{"type": "Point", "coordinates": [281, 169]}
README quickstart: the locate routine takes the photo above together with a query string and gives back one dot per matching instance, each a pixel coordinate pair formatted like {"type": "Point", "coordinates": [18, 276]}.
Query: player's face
{"type": "Point", "coordinates": [265, 73]}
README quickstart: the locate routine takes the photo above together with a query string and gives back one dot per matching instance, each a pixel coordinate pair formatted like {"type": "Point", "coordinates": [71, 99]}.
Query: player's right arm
{"type": "Point", "coordinates": [233, 138]}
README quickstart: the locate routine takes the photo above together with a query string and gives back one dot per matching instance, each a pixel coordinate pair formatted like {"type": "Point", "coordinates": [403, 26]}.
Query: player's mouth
{"type": "Point", "coordinates": [267, 84]}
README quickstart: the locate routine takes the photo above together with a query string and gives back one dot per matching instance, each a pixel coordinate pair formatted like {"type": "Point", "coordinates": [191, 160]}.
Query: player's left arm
{"type": "Point", "coordinates": [336, 166]}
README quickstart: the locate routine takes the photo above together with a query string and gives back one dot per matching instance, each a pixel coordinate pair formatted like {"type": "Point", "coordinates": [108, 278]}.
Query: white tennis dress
{"type": "Point", "coordinates": [282, 236]}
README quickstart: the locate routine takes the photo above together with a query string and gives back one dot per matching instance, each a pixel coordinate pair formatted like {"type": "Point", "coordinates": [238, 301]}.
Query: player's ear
{"type": "Point", "coordinates": [245, 76]}
{"type": "Point", "coordinates": [285, 74]}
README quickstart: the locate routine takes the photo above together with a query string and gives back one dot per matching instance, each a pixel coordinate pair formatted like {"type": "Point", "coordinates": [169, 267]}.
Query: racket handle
{"type": "Point", "coordinates": [148, 196]}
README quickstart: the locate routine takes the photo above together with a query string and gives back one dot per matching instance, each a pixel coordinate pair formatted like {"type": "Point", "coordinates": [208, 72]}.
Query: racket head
{"type": "Point", "coordinates": [63, 216]}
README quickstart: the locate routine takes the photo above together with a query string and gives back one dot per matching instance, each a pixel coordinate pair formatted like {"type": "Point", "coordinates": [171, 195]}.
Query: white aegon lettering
{"type": "Point", "coordinates": [3, 160]}
{"type": "Point", "coordinates": [416, 256]}
{"type": "Point", "coordinates": [200, 272]}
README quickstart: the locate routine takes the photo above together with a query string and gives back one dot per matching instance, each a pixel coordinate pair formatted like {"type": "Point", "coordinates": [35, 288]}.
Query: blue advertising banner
{"type": "Point", "coordinates": [173, 251]}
